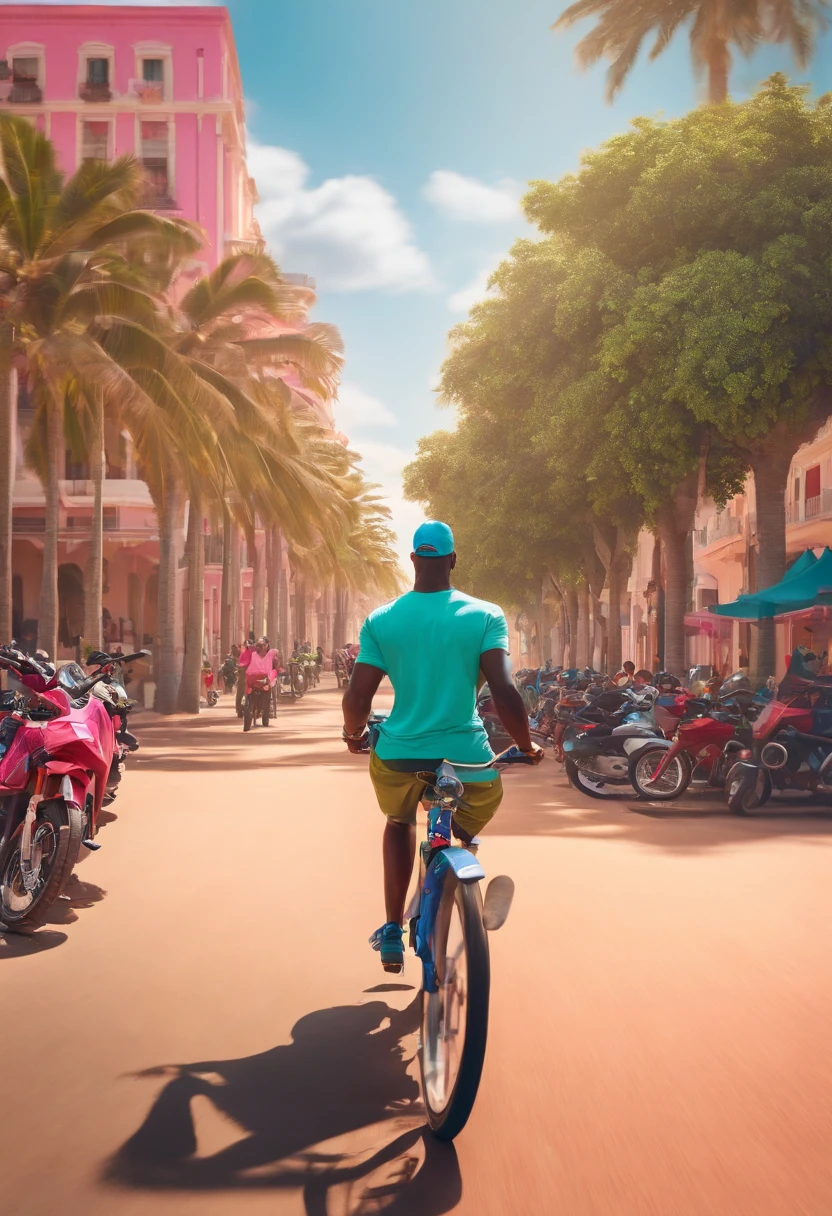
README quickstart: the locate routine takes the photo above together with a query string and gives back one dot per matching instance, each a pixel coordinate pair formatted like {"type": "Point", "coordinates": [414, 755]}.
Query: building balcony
{"type": "Point", "coordinates": [147, 92]}
{"type": "Point", "coordinates": [818, 507]}
{"type": "Point", "coordinates": [721, 528]}
{"type": "Point", "coordinates": [94, 92]}
{"type": "Point", "coordinates": [21, 92]}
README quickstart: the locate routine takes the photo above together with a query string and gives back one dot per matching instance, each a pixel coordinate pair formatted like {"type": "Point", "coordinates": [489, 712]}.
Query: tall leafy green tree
{"type": "Point", "coordinates": [717, 341]}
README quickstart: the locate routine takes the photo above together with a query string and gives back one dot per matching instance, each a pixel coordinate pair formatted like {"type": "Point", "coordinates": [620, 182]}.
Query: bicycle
{"type": "Point", "coordinates": [449, 922]}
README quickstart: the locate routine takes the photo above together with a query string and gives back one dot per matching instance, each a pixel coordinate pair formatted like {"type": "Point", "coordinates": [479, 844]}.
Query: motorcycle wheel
{"type": "Point", "coordinates": [247, 715]}
{"type": "Point", "coordinates": [267, 704]}
{"type": "Point", "coordinates": [673, 781]}
{"type": "Point", "coordinates": [743, 798]}
{"type": "Point", "coordinates": [58, 832]}
{"type": "Point", "coordinates": [297, 682]}
{"type": "Point", "coordinates": [604, 790]}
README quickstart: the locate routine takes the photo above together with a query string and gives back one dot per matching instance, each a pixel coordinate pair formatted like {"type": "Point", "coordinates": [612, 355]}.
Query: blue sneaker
{"type": "Point", "coordinates": [388, 942]}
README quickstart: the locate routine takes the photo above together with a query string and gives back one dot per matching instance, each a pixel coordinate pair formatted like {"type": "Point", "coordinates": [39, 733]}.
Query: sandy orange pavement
{"type": "Point", "coordinates": [660, 1035]}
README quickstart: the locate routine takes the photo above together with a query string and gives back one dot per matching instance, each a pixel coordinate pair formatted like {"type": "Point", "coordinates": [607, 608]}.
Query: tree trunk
{"type": "Point", "coordinates": [674, 549]}
{"type": "Point", "coordinates": [617, 584]}
{"type": "Point", "coordinates": [674, 522]}
{"type": "Point", "coordinates": [8, 415]}
{"type": "Point", "coordinates": [655, 630]}
{"type": "Point", "coordinates": [234, 629]}
{"type": "Point", "coordinates": [771, 474]}
{"type": "Point", "coordinates": [342, 612]}
{"type": "Point", "coordinates": [718, 63]}
{"type": "Point", "coordinates": [225, 589]}
{"type": "Point", "coordinates": [285, 614]}
{"type": "Point", "coordinates": [570, 603]}
{"type": "Point", "coordinates": [621, 564]}
{"type": "Point", "coordinates": [93, 577]}
{"type": "Point", "coordinates": [583, 624]}
{"type": "Point", "coordinates": [274, 564]}
{"type": "Point", "coordinates": [167, 512]}
{"type": "Point", "coordinates": [189, 685]}
{"type": "Point", "coordinates": [258, 587]}
{"type": "Point", "coordinates": [48, 622]}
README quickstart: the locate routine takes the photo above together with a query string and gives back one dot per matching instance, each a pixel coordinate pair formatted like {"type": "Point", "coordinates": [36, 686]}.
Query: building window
{"type": "Point", "coordinates": [153, 71]}
{"type": "Point", "coordinates": [26, 75]}
{"type": "Point", "coordinates": [96, 87]}
{"type": "Point", "coordinates": [98, 71]}
{"type": "Point", "coordinates": [155, 160]}
{"type": "Point", "coordinates": [95, 141]}
{"type": "Point", "coordinates": [152, 84]}
{"type": "Point", "coordinates": [812, 499]}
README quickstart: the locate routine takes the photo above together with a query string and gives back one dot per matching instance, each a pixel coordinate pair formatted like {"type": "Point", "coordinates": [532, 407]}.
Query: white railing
{"type": "Point", "coordinates": [722, 527]}
{"type": "Point", "coordinates": [819, 506]}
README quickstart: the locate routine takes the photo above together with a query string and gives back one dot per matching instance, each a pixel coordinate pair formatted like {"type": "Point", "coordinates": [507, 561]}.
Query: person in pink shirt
{"type": "Point", "coordinates": [261, 663]}
{"type": "Point", "coordinates": [243, 660]}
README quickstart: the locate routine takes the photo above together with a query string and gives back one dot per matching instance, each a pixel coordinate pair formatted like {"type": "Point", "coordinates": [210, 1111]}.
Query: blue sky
{"type": "Point", "coordinates": [390, 141]}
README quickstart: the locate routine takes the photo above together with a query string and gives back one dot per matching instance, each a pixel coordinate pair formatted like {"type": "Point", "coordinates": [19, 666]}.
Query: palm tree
{"type": "Point", "coordinates": [223, 329]}
{"type": "Point", "coordinates": [715, 27]}
{"type": "Point", "coordinates": [63, 268]}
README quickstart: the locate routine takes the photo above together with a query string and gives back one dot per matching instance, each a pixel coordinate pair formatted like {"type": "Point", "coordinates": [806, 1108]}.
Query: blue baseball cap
{"type": "Point", "coordinates": [433, 539]}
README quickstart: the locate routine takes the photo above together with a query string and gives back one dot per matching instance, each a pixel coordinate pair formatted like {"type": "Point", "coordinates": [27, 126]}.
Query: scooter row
{"type": "Point", "coordinates": [63, 744]}
{"type": "Point", "coordinates": [661, 739]}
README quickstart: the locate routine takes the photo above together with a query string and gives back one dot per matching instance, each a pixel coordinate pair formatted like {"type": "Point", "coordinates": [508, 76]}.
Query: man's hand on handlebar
{"type": "Point", "coordinates": [357, 743]}
{"type": "Point", "coordinates": [536, 754]}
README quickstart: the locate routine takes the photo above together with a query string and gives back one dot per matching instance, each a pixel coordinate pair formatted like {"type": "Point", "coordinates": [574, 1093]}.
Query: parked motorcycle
{"type": "Point", "coordinates": [113, 694]}
{"type": "Point", "coordinates": [792, 749]}
{"type": "Point", "coordinates": [598, 754]}
{"type": "Point", "coordinates": [57, 744]}
{"type": "Point", "coordinates": [709, 738]}
{"type": "Point", "coordinates": [228, 671]}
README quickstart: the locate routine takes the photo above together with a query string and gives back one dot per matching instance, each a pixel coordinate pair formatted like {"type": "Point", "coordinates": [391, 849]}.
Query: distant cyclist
{"type": "Point", "coordinates": [436, 644]}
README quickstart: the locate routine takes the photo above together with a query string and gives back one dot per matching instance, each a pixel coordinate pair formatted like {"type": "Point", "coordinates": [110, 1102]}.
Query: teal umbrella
{"type": "Point", "coordinates": [807, 582]}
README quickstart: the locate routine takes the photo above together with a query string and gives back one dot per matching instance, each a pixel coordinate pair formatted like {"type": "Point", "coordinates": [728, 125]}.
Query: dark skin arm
{"type": "Point", "coordinates": [508, 703]}
{"type": "Point", "coordinates": [358, 700]}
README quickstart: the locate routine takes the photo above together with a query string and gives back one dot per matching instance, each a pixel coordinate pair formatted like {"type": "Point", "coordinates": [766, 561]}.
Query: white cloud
{"type": "Point", "coordinates": [348, 232]}
{"type": "Point", "coordinates": [383, 463]}
{"type": "Point", "coordinates": [356, 409]}
{"type": "Point", "coordinates": [467, 198]}
{"type": "Point", "coordinates": [466, 297]}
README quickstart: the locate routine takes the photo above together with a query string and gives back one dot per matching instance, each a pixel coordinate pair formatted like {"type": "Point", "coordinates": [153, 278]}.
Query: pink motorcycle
{"type": "Point", "coordinates": [57, 745]}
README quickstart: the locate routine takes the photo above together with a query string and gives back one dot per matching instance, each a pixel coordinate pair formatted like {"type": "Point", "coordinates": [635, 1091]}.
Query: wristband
{"type": "Point", "coordinates": [359, 734]}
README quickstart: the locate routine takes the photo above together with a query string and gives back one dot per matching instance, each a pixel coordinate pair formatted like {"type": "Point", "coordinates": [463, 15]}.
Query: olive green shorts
{"type": "Point", "coordinates": [399, 795]}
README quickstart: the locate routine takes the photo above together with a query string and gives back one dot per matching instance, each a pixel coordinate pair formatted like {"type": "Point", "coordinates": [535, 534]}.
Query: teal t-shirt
{"type": "Point", "coordinates": [430, 643]}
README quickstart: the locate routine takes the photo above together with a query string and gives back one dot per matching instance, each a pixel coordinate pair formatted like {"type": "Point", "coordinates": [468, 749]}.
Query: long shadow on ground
{"type": "Point", "coordinates": [344, 1075]}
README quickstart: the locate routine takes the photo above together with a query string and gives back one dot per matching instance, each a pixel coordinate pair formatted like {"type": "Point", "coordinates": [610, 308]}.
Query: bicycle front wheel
{"type": "Point", "coordinates": [455, 1017]}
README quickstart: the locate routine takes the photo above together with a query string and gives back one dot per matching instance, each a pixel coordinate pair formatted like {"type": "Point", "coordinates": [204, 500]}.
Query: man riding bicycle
{"type": "Point", "coordinates": [437, 645]}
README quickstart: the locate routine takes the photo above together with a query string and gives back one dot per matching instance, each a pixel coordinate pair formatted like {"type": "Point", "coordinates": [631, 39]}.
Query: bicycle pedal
{"type": "Point", "coordinates": [497, 902]}
{"type": "Point", "coordinates": [92, 845]}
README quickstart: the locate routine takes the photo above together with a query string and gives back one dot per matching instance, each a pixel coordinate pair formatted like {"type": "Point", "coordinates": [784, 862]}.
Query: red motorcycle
{"type": "Point", "coordinates": [790, 752]}
{"type": "Point", "coordinates": [704, 747]}
{"type": "Point", "coordinates": [57, 746]}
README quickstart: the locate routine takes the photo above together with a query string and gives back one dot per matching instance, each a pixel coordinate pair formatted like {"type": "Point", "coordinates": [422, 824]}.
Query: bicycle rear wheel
{"type": "Point", "coordinates": [455, 1018]}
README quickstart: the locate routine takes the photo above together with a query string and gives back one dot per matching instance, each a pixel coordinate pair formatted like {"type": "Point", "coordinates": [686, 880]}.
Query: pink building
{"type": "Point", "coordinates": [160, 83]}
{"type": "Point", "coordinates": [163, 84]}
